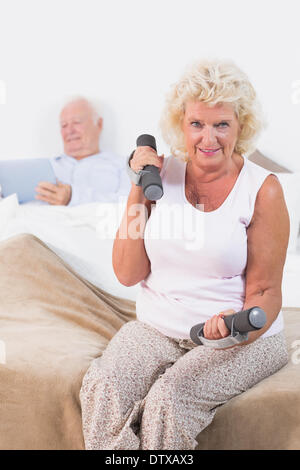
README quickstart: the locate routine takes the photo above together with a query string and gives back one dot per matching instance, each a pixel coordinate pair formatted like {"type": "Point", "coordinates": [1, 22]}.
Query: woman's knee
{"type": "Point", "coordinates": [164, 393]}
{"type": "Point", "coordinates": [106, 367]}
{"type": "Point", "coordinates": [129, 334]}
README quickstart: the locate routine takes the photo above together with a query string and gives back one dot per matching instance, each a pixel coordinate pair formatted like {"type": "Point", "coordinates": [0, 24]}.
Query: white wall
{"type": "Point", "coordinates": [128, 52]}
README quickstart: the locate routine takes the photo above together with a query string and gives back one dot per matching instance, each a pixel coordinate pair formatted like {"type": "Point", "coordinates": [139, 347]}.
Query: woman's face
{"type": "Point", "coordinates": [210, 133]}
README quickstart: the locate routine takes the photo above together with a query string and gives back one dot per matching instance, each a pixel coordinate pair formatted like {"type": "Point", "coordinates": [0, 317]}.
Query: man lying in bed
{"type": "Point", "coordinates": [84, 173]}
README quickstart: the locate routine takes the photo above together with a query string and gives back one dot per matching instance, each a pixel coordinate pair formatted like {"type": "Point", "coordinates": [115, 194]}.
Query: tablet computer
{"type": "Point", "coordinates": [22, 177]}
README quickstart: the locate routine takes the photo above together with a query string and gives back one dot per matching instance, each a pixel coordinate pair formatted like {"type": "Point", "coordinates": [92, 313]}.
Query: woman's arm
{"type": "Point", "coordinates": [268, 235]}
{"type": "Point", "coordinates": [130, 261]}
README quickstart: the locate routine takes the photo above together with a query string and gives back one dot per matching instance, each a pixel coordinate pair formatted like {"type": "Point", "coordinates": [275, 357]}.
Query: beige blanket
{"type": "Point", "coordinates": [53, 323]}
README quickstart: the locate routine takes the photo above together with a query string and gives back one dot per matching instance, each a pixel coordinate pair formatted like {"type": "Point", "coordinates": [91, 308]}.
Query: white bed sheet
{"type": "Point", "coordinates": [83, 237]}
{"type": "Point", "coordinates": [77, 234]}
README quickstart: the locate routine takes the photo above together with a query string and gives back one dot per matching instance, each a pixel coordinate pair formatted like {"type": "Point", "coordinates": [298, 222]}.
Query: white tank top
{"type": "Point", "coordinates": [198, 259]}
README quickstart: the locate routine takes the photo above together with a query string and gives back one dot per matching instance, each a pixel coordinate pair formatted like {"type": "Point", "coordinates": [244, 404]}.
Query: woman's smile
{"type": "Point", "coordinates": [209, 152]}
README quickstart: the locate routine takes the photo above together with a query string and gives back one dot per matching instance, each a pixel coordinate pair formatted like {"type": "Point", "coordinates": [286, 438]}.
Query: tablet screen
{"type": "Point", "coordinates": [22, 177]}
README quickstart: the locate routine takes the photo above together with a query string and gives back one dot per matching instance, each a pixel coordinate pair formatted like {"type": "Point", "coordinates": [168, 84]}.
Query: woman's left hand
{"type": "Point", "coordinates": [215, 327]}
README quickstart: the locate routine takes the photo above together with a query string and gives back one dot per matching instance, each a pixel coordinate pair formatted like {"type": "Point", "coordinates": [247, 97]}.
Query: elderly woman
{"type": "Point", "coordinates": [153, 388]}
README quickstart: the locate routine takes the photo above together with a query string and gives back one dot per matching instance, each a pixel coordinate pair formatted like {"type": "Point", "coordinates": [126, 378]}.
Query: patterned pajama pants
{"type": "Point", "coordinates": [149, 391]}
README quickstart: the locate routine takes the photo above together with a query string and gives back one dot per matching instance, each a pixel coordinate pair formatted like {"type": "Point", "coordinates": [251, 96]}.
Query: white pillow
{"type": "Point", "coordinates": [8, 210]}
{"type": "Point", "coordinates": [290, 183]}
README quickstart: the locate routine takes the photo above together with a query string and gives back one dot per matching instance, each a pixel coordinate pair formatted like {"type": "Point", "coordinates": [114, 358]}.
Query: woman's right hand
{"type": "Point", "coordinates": [145, 156]}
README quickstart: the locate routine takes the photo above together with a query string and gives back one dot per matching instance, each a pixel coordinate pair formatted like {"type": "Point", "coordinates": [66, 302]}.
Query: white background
{"type": "Point", "coordinates": [126, 53]}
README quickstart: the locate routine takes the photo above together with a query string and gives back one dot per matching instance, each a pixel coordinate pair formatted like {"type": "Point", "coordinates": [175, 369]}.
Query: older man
{"type": "Point", "coordinates": [84, 173]}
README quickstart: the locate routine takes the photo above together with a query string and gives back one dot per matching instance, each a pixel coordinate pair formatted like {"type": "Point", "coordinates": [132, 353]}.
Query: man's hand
{"type": "Point", "coordinates": [56, 194]}
{"type": "Point", "coordinates": [215, 327]}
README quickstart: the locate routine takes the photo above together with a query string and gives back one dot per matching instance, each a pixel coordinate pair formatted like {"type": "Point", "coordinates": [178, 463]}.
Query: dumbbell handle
{"type": "Point", "coordinates": [246, 320]}
{"type": "Point", "coordinates": [150, 180]}
{"type": "Point", "coordinates": [241, 322]}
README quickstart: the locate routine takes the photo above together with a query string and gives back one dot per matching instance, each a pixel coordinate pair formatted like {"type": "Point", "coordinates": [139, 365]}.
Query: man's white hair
{"type": "Point", "coordinates": [93, 104]}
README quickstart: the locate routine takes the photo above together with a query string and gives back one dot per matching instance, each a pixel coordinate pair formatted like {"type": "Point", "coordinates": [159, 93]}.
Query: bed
{"type": "Point", "coordinates": [61, 305]}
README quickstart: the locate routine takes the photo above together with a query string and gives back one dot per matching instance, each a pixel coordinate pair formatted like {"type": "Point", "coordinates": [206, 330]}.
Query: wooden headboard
{"type": "Point", "coordinates": [258, 158]}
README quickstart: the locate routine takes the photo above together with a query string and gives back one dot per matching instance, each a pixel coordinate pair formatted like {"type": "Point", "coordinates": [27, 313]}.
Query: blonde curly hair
{"type": "Point", "coordinates": [212, 82]}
